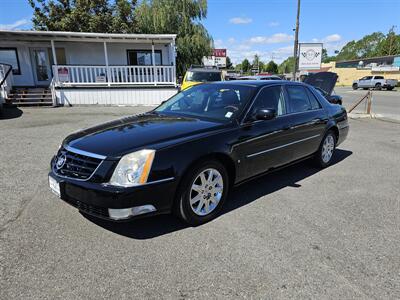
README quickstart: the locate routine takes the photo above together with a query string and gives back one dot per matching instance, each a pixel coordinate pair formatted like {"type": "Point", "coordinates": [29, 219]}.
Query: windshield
{"type": "Point", "coordinates": [219, 102]}
{"type": "Point", "coordinates": [203, 76]}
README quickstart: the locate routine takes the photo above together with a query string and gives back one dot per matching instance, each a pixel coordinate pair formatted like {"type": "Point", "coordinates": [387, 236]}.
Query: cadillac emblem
{"type": "Point", "coordinates": [61, 161]}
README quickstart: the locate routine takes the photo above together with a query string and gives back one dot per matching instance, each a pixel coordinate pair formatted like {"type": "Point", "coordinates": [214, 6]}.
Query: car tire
{"type": "Point", "coordinates": [199, 192]}
{"type": "Point", "coordinates": [355, 86]}
{"type": "Point", "coordinates": [323, 157]}
{"type": "Point", "coordinates": [378, 86]}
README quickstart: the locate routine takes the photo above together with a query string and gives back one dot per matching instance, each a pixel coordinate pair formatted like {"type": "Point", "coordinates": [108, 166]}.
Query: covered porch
{"type": "Point", "coordinates": [64, 61]}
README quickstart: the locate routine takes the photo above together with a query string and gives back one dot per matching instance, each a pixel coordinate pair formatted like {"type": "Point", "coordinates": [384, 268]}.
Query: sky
{"type": "Point", "coordinates": [265, 27]}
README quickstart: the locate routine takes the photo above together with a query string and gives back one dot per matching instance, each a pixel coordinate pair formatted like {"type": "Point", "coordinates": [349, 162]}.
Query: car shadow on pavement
{"type": "Point", "coordinates": [242, 195]}
{"type": "Point", "coordinates": [10, 113]}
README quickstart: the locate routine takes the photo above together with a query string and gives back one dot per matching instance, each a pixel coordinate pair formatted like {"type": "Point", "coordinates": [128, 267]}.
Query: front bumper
{"type": "Point", "coordinates": [97, 198]}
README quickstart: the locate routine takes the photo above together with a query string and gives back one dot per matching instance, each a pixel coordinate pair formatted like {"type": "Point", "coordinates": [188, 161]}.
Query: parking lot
{"type": "Point", "coordinates": [385, 104]}
{"type": "Point", "coordinates": [296, 233]}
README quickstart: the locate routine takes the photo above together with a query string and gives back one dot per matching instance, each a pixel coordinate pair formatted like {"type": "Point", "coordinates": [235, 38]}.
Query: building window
{"type": "Point", "coordinates": [144, 57]}
{"type": "Point", "coordinates": [10, 56]}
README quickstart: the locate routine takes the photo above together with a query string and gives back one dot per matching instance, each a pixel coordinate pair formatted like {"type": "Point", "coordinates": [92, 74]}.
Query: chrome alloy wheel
{"type": "Point", "coordinates": [206, 192]}
{"type": "Point", "coordinates": [327, 148]}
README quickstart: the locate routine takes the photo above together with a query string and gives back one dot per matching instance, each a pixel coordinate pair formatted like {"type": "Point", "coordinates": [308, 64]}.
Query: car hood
{"type": "Point", "coordinates": [128, 134]}
{"type": "Point", "coordinates": [324, 80]}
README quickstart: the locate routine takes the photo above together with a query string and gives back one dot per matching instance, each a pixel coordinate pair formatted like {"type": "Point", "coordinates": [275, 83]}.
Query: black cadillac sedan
{"type": "Point", "coordinates": [187, 154]}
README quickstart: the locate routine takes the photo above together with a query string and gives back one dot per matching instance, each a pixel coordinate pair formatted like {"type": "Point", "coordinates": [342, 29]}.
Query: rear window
{"type": "Point", "coordinates": [203, 76]}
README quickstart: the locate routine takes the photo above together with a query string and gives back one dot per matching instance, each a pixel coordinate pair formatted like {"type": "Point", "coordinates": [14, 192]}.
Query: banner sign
{"type": "Point", "coordinates": [63, 75]}
{"type": "Point", "coordinates": [219, 52]}
{"type": "Point", "coordinates": [310, 56]}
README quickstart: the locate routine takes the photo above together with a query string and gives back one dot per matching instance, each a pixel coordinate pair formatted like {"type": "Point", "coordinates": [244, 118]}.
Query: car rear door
{"type": "Point", "coordinates": [261, 143]}
{"type": "Point", "coordinates": [308, 121]}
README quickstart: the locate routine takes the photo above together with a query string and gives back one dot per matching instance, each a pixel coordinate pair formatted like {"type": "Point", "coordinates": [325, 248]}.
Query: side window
{"type": "Point", "coordinates": [270, 97]}
{"type": "Point", "coordinates": [379, 77]}
{"type": "Point", "coordinates": [314, 102]}
{"type": "Point", "coordinates": [298, 99]}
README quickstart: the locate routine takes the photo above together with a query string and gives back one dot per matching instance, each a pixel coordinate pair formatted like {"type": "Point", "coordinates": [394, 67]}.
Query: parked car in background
{"type": "Point", "coordinates": [375, 82]}
{"type": "Point", "coordinates": [199, 74]}
{"type": "Point", "coordinates": [324, 83]}
{"type": "Point", "coordinates": [187, 154]}
{"type": "Point", "coordinates": [260, 77]}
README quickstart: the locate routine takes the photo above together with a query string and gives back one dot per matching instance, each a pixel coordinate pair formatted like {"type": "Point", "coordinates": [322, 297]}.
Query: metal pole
{"type": "Point", "coordinates": [296, 41]}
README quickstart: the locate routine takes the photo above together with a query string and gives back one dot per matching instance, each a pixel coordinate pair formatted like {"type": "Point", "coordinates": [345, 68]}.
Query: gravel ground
{"type": "Point", "coordinates": [297, 233]}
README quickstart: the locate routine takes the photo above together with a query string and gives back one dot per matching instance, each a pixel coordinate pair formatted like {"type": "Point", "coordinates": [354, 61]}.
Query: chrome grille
{"type": "Point", "coordinates": [77, 166]}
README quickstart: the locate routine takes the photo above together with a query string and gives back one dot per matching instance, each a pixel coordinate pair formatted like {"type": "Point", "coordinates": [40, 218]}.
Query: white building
{"type": "Point", "coordinates": [89, 68]}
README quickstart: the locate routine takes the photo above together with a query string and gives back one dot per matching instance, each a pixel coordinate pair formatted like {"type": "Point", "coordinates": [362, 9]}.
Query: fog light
{"type": "Point", "coordinates": [118, 214]}
{"type": "Point", "coordinates": [139, 210]}
{"type": "Point", "coordinates": [125, 213]}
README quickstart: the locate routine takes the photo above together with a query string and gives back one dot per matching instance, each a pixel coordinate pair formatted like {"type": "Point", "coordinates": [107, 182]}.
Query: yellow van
{"type": "Point", "coordinates": [199, 75]}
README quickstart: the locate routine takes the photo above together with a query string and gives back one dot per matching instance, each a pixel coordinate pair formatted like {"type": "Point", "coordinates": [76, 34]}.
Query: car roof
{"type": "Point", "coordinates": [205, 70]}
{"type": "Point", "coordinates": [257, 83]}
{"type": "Point", "coordinates": [257, 77]}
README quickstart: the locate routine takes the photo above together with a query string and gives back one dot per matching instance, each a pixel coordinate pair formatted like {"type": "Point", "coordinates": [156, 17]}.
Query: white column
{"type": "Point", "coordinates": [107, 66]}
{"type": "Point", "coordinates": [174, 61]}
{"type": "Point", "coordinates": [153, 59]}
{"type": "Point", "coordinates": [53, 50]}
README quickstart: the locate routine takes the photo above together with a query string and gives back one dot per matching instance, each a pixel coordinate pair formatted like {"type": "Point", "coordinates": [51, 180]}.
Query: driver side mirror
{"type": "Point", "coordinates": [265, 114]}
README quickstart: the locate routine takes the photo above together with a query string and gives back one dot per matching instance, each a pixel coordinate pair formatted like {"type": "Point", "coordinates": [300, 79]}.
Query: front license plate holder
{"type": "Point", "coordinates": [54, 186]}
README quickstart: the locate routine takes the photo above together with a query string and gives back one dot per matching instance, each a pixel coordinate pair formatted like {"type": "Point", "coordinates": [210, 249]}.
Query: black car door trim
{"type": "Point", "coordinates": [282, 146]}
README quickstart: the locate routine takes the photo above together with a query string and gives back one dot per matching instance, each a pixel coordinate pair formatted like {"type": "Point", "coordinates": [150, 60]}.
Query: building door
{"type": "Point", "coordinates": [41, 66]}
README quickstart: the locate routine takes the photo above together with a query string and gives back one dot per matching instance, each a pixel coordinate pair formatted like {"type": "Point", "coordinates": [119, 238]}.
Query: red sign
{"type": "Point", "coordinates": [219, 52]}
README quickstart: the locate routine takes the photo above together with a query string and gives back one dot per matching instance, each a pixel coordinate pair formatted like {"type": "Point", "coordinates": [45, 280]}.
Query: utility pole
{"type": "Point", "coordinates": [296, 41]}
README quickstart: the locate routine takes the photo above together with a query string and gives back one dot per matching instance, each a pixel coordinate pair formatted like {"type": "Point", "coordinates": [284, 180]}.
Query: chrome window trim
{"type": "Point", "coordinates": [283, 86]}
{"type": "Point", "coordinates": [82, 152]}
{"type": "Point", "coordinates": [282, 146]}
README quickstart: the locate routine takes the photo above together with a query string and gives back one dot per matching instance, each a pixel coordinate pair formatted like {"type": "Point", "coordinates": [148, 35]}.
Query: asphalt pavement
{"type": "Point", "coordinates": [297, 233]}
{"type": "Point", "coordinates": [385, 104]}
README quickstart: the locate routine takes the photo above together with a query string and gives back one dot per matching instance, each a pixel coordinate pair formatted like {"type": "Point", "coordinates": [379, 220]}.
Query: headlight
{"type": "Point", "coordinates": [133, 169]}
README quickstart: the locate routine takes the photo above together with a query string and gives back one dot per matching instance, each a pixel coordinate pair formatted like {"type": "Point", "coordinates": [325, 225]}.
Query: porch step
{"type": "Point", "coordinates": [30, 97]}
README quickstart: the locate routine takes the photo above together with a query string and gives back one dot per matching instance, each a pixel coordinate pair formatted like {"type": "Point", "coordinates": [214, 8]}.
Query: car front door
{"type": "Point", "coordinates": [365, 82]}
{"type": "Point", "coordinates": [308, 121]}
{"type": "Point", "coordinates": [261, 143]}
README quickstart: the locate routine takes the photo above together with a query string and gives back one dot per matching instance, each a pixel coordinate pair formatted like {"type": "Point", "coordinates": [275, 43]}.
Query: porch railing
{"type": "Point", "coordinates": [6, 80]}
{"type": "Point", "coordinates": [66, 75]}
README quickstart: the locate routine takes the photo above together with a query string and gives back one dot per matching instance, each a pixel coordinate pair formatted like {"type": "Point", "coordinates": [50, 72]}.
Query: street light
{"type": "Point", "coordinates": [296, 41]}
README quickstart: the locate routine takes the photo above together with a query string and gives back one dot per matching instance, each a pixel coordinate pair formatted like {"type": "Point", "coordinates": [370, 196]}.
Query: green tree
{"type": "Point", "coordinates": [272, 67]}
{"type": "Point", "coordinates": [390, 45]}
{"type": "Point", "coordinates": [182, 17]}
{"type": "Point", "coordinates": [286, 66]}
{"type": "Point", "coordinates": [228, 63]}
{"type": "Point", "coordinates": [368, 46]}
{"type": "Point", "coordinates": [84, 15]}
{"type": "Point", "coordinates": [326, 58]}
{"type": "Point", "coordinates": [246, 66]}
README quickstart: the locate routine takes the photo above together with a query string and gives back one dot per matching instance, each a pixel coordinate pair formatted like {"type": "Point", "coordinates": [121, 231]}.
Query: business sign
{"type": "Point", "coordinates": [214, 61]}
{"type": "Point", "coordinates": [219, 52]}
{"type": "Point", "coordinates": [310, 56]}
